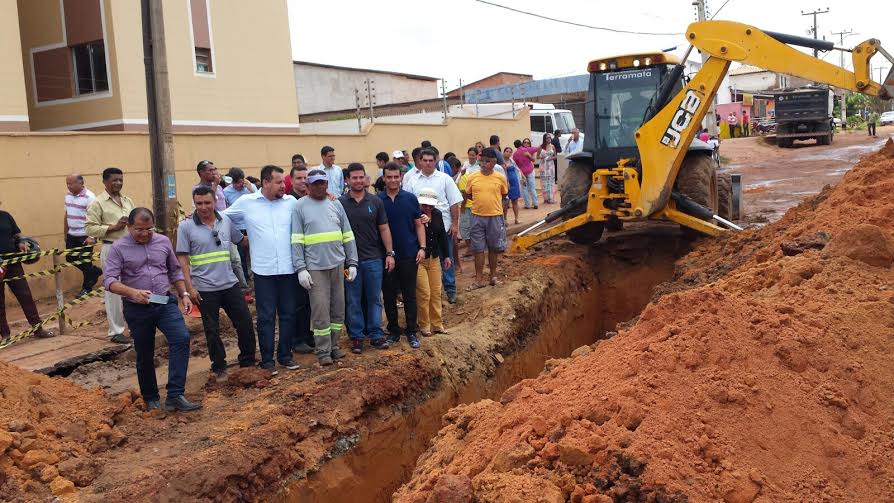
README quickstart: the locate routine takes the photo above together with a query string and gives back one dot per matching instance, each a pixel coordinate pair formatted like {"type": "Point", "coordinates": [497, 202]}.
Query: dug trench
{"type": "Point", "coordinates": [350, 433]}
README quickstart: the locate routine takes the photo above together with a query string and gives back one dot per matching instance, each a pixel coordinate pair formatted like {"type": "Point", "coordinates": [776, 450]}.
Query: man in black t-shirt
{"type": "Point", "coordinates": [10, 242]}
{"type": "Point", "coordinates": [363, 296]}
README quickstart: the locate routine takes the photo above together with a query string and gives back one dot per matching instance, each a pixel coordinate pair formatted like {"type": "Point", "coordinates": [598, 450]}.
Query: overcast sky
{"type": "Point", "coordinates": [466, 39]}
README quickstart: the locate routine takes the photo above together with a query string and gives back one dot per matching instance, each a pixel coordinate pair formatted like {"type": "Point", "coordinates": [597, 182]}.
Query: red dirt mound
{"type": "Point", "coordinates": [49, 431]}
{"type": "Point", "coordinates": [761, 374]}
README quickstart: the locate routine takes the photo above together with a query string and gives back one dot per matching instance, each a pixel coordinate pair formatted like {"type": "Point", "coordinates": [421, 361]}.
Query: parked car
{"type": "Point", "coordinates": [886, 118]}
{"type": "Point", "coordinates": [836, 121]}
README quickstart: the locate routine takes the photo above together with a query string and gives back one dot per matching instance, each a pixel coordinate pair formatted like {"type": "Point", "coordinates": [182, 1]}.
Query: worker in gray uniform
{"type": "Point", "coordinates": [322, 246]}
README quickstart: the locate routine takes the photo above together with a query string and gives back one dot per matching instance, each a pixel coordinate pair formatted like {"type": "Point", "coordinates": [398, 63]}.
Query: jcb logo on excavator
{"type": "Point", "coordinates": [681, 119]}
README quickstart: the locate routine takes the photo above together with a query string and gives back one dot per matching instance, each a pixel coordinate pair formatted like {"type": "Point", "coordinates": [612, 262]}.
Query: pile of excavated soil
{"type": "Point", "coordinates": [763, 373]}
{"type": "Point", "coordinates": [50, 432]}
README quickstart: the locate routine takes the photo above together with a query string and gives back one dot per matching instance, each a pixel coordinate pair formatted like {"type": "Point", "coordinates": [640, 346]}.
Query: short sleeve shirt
{"type": "Point", "coordinates": [8, 230]}
{"type": "Point", "coordinates": [487, 193]}
{"type": "Point", "coordinates": [365, 218]}
{"type": "Point", "coordinates": [209, 262]}
{"type": "Point", "coordinates": [402, 214]}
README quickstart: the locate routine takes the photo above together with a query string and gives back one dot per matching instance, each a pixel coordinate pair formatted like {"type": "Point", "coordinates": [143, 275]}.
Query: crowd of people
{"type": "Point", "coordinates": [318, 249]}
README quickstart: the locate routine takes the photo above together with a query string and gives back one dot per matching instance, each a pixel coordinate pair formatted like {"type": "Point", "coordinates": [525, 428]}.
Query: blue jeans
{"type": "Point", "coordinates": [448, 276]}
{"type": "Point", "coordinates": [529, 191]}
{"type": "Point", "coordinates": [363, 298]}
{"type": "Point", "coordinates": [143, 319]}
{"type": "Point", "coordinates": [276, 295]}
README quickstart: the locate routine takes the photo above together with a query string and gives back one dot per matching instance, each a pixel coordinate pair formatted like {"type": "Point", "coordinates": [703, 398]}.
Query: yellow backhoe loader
{"type": "Point", "coordinates": [641, 159]}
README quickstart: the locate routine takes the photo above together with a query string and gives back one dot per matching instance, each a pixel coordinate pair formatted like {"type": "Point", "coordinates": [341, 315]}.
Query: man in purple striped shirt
{"type": "Point", "coordinates": [140, 267]}
{"type": "Point", "coordinates": [77, 199]}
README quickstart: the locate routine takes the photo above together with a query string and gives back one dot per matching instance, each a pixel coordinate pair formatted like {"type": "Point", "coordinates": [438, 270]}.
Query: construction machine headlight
{"type": "Point", "coordinates": [602, 66]}
{"type": "Point", "coordinates": [648, 61]}
{"type": "Point", "coordinates": [635, 62]}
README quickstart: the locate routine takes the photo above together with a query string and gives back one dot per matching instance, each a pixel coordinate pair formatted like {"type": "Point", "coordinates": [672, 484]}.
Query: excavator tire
{"type": "Point", "coordinates": [697, 179]}
{"type": "Point", "coordinates": [577, 180]}
{"type": "Point", "coordinates": [725, 196]}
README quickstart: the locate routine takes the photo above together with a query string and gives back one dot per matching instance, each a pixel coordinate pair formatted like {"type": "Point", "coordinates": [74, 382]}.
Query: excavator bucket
{"type": "Point", "coordinates": [888, 83]}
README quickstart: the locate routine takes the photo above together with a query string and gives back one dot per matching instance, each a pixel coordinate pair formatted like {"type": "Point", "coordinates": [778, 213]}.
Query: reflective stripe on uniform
{"type": "Point", "coordinates": [297, 239]}
{"type": "Point", "coordinates": [347, 236]}
{"type": "Point", "coordinates": [322, 332]}
{"type": "Point", "coordinates": [209, 258]}
{"type": "Point", "coordinates": [336, 327]}
{"type": "Point", "coordinates": [323, 237]}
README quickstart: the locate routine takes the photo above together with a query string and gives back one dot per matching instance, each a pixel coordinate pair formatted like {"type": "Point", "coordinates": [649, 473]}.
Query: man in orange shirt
{"type": "Point", "coordinates": [486, 189]}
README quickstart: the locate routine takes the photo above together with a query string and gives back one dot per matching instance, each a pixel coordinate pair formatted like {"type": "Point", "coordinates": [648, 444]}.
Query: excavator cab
{"type": "Point", "coordinates": [620, 92]}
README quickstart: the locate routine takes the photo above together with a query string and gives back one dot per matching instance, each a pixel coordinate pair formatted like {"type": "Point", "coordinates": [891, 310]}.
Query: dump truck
{"type": "Point", "coordinates": [804, 114]}
{"type": "Point", "coordinates": [640, 159]}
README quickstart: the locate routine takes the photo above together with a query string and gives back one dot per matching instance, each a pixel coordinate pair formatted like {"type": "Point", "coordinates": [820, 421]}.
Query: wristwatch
{"type": "Point", "coordinates": [185, 294]}
{"type": "Point", "coordinates": [423, 248]}
{"type": "Point", "coordinates": [390, 254]}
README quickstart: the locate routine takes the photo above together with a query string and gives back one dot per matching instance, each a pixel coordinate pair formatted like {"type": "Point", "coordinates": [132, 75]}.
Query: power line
{"type": "Point", "coordinates": [601, 28]}
{"type": "Point", "coordinates": [720, 9]}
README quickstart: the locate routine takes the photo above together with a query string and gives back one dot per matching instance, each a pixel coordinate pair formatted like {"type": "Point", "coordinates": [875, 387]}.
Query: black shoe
{"type": "Point", "coordinates": [151, 405]}
{"type": "Point", "coordinates": [414, 341]}
{"type": "Point", "coordinates": [393, 338]}
{"type": "Point", "coordinates": [82, 293]}
{"type": "Point", "coordinates": [451, 298]}
{"type": "Point", "coordinates": [337, 354]}
{"type": "Point", "coordinates": [180, 403]}
{"type": "Point", "coordinates": [536, 207]}
{"type": "Point", "coordinates": [381, 343]}
{"type": "Point", "coordinates": [356, 346]}
{"type": "Point", "coordinates": [120, 339]}
{"type": "Point", "coordinates": [302, 348]}
{"type": "Point", "coordinates": [269, 367]}
{"type": "Point", "coordinates": [290, 365]}
{"type": "Point", "coordinates": [220, 375]}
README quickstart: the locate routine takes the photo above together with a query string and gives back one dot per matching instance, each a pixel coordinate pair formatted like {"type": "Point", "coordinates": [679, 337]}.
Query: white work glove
{"type": "Point", "coordinates": [304, 279]}
{"type": "Point", "coordinates": [352, 273]}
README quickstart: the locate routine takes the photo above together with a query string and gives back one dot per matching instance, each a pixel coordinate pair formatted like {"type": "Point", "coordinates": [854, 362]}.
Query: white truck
{"type": "Point", "coordinates": [546, 118]}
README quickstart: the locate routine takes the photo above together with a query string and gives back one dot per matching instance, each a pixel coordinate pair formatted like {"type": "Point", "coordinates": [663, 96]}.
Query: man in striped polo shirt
{"type": "Point", "coordinates": [203, 250]}
{"type": "Point", "coordinates": [77, 199]}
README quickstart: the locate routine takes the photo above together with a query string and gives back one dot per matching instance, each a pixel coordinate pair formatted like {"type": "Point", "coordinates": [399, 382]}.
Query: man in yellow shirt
{"type": "Point", "coordinates": [106, 221]}
{"type": "Point", "coordinates": [486, 189]}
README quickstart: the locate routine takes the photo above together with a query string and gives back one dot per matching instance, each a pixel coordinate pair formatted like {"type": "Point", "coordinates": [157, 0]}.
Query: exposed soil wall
{"type": "Point", "coordinates": [351, 433]}
{"type": "Point", "coordinates": [762, 373]}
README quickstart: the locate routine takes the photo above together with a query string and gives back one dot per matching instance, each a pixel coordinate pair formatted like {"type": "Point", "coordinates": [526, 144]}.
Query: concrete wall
{"type": "Point", "coordinates": [324, 89]}
{"type": "Point", "coordinates": [13, 99]}
{"type": "Point", "coordinates": [499, 79]}
{"type": "Point", "coordinates": [34, 176]}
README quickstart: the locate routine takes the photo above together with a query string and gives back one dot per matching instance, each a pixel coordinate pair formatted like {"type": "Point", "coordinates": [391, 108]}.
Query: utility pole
{"type": "Point", "coordinates": [158, 100]}
{"type": "Point", "coordinates": [841, 35]}
{"type": "Point", "coordinates": [711, 116]}
{"type": "Point", "coordinates": [444, 96]}
{"type": "Point", "coordinates": [815, 32]}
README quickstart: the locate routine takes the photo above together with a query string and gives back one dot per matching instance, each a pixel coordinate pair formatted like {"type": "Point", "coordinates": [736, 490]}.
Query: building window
{"type": "Point", "coordinates": [90, 73]}
{"type": "Point", "coordinates": [203, 60]}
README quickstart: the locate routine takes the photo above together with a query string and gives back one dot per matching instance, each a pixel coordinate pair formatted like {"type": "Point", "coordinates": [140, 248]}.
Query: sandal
{"type": "Point", "coordinates": [494, 282]}
{"type": "Point", "coordinates": [474, 286]}
{"type": "Point", "coordinates": [425, 333]}
{"type": "Point", "coordinates": [441, 331]}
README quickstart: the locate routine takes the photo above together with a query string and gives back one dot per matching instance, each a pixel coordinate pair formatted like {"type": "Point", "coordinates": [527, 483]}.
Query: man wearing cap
{"type": "Point", "coordinates": [366, 214]}
{"type": "Point", "coordinates": [322, 245]}
{"type": "Point", "coordinates": [203, 250]}
{"type": "Point", "coordinates": [486, 189]}
{"type": "Point", "coordinates": [267, 216]}
{"type": "Point", "coordinates": [107, 221]}
{"type": "Point", "coordinates": [449, 200]}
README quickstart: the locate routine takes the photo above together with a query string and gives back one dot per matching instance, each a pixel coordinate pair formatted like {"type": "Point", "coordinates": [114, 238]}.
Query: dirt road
{"type": "Point", "coordinates": [776, 179]}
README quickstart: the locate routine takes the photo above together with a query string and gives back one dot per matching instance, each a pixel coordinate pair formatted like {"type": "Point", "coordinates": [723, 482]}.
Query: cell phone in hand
{"type": "Point", "coordinates": [158, 299]}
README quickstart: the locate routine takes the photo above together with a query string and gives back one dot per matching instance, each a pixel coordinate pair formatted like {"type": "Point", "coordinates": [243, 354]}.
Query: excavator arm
{"type": "Point", "coordinates": [672, 122]}
{"type": "Point", "coordinates": [661, 140]}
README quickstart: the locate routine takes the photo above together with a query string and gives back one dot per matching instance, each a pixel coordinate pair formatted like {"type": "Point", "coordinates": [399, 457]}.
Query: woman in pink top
{"type": "Point", "coordinates": [524, 158]}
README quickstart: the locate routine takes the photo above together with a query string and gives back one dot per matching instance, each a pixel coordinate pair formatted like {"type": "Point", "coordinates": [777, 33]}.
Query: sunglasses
{"type": "Point", "coordinates": [216, 237]}
{"type": "Point", "coordinates": [204, 164]}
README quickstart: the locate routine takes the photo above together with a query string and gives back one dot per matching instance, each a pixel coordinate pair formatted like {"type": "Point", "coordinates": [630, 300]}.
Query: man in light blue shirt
{"type": "Point", "coordinates": [575, 143]}
{"type": "Point", "coordinates": [267, 217]}
{"type": "Point", "coordinates": [238, 186]}
{"type": "Point", "coordinates": [333, 171]}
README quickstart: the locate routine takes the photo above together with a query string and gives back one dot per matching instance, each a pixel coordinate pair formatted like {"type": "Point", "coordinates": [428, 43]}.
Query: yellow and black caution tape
{"type": "Point", "coordinates": [17, 257]}
{"type": "Point", "coordinates": [61, 312]}
{"type": "Point", "coordinates": [52, 270]}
